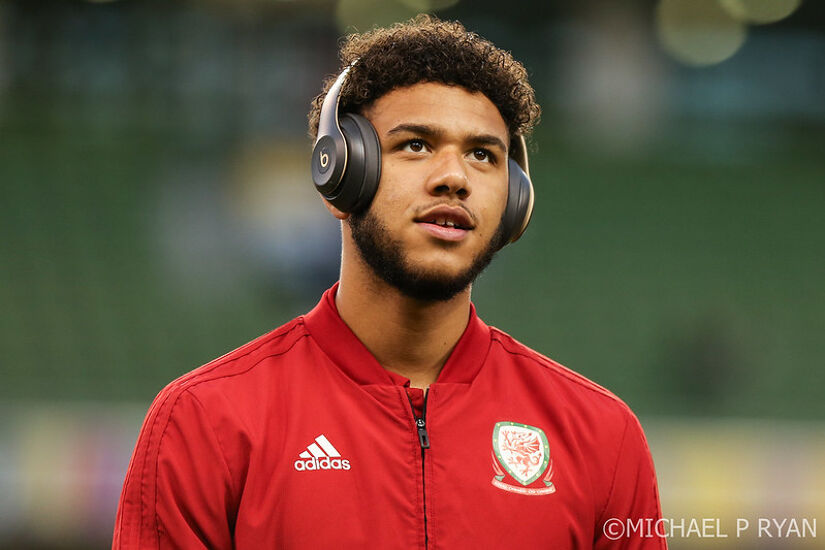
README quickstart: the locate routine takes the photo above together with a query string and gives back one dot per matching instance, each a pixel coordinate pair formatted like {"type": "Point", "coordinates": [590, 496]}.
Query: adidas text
{"type": "Point", "coordinates": [325, 463]}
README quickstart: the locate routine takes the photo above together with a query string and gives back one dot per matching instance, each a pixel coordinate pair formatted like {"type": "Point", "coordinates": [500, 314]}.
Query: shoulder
{"type": "Point", "coordinates": [602, 424]}
{"type": "Point", "coordinates": [240, 366]}
{"type": "Point", "coordinates": [577, 390]}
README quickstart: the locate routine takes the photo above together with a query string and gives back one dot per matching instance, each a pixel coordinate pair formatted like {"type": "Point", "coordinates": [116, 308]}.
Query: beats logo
{"type": "Point", "coordinates": [323, 159]}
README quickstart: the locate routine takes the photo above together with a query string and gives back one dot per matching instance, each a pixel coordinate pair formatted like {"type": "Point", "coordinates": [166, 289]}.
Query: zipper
{"type": "Point", "coordinates": [424, 442]}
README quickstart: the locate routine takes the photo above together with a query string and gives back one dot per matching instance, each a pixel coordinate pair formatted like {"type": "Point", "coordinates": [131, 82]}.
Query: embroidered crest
{"type": "Point", "coordinates": [523, 452]}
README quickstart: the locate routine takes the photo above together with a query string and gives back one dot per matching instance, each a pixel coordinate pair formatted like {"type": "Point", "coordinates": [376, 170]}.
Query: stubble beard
{"type": "Point", "coordinates": [385, 256]}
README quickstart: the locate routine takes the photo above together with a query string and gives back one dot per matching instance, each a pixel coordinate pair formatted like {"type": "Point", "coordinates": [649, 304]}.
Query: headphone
{"type": "Point", "coordinates": [346, 165]}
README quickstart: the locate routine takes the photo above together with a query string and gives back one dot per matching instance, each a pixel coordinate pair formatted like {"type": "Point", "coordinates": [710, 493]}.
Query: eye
{"type": "Point", "coordinates": [414, 146]}
{"type": "Point", "coordinates": [483, 155]}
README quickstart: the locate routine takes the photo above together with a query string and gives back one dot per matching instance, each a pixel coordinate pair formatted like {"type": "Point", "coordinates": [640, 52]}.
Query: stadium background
{"type": "Point", "coordinates": [156, 212]}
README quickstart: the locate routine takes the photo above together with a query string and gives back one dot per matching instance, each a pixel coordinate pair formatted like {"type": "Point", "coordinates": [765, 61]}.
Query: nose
{"type": "Point", "coordinates": [449, 175]}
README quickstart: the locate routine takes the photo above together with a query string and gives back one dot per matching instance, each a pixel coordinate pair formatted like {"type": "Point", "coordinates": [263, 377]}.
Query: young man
{"type": "Point", "coordinates": [391, 416]}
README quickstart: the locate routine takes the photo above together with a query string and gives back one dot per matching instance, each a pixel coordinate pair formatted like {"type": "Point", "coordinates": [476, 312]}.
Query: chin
{"type": "Point", "coordinates": [437, 273]}
{"type": "Point", "coordinates": [439, 265]}
{"type": "Point", "coordinates": [424, 270]}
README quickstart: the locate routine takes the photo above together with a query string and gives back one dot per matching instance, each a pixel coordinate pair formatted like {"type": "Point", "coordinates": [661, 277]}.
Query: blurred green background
{"type": "Point", "coordinates": [157, 212]}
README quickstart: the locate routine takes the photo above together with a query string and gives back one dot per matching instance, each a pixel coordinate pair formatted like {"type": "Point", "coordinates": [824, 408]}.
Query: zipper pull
{"type": "Point", "coordinates": [423, 438]}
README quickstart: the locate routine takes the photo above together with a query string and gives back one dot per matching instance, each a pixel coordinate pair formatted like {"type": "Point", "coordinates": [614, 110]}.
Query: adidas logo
{"type": "Point", "coordinates": [321, 455]}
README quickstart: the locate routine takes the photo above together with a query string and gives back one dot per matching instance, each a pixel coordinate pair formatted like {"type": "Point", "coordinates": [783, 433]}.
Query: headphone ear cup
{"type": "Point", "coordinates": [519, 206]}
{"type": "Point", "coordinates": [363, 168]}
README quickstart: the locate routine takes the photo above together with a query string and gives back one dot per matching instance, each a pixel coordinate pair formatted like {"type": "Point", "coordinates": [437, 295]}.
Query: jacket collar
{"type": "Point", "coordinates": [342, 346]}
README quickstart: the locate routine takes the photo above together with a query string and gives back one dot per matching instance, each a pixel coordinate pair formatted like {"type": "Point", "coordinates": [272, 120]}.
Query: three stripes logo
{"type": "Point", "coordinates": [321, 455]}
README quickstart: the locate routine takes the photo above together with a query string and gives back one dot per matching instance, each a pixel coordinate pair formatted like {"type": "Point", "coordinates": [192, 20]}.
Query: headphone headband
{"type": "Point", "coordinates": [328, 121]}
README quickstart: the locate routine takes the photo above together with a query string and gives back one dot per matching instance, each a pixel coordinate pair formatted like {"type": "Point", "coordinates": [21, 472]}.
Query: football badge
{"type": "Point", "coordinates": [522, 451]}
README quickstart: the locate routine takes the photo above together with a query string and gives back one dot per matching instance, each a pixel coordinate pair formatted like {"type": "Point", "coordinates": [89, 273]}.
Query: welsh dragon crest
{"type": "Point", "coordinates": [523, 452]}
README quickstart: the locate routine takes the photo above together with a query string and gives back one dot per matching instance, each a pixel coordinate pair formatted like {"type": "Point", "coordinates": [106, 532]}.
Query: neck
{"type": "Point", "coordinates": [406, 336]}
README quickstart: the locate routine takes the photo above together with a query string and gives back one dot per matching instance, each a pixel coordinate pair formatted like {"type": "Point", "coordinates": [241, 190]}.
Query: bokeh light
{"type": "Point", "coordinates": [760, 11]}
{"type": "Point", "coordinates": [698, 32]}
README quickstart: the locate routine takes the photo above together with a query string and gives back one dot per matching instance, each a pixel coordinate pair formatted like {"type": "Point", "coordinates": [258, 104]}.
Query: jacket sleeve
{"type": "Point", "coordinates": [631, 518]}
{"type": "Point", "coordinates": [177, 492]}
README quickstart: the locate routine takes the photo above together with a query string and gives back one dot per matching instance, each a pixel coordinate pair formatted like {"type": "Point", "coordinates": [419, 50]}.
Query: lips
{"type": "Point", "coordinates": [446, 223]}
{"type": "Point", "coordinates": [447, 216]}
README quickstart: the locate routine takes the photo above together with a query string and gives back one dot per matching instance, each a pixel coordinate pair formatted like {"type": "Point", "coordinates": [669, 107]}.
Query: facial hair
{"type": "Point", "coordinates": [385, 256]}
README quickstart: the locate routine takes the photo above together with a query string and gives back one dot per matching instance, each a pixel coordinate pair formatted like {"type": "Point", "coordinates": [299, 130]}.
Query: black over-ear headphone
{"type": "Point", "coordinates": [346, 165]}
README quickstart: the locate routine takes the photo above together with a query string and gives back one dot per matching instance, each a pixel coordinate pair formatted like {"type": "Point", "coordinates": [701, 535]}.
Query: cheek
{"type": "Point", "coordinates": [495, 202]}
{"type": "Point", "coordinates": [396, 189]}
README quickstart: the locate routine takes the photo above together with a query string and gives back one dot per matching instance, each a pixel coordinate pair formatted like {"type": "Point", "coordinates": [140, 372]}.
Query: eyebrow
{"type": "Point", "coordinates": [434, 132]}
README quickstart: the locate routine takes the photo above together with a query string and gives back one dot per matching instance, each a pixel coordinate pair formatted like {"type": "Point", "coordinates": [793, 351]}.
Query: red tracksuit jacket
{"type": "Point", "coordinates": [300, 439]}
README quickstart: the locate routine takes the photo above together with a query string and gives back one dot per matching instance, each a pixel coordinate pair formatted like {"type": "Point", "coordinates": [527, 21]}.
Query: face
{"type": "Point", "coordinates": [435, 221]}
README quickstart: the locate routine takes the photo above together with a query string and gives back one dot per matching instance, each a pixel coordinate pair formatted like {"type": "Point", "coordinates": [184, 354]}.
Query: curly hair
{"type": "Point", "coordinates": [426, 49]}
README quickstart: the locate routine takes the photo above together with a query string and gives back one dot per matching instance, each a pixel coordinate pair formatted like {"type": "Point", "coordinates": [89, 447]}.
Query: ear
{"type": "Point", "coordinates": [340, 214]}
